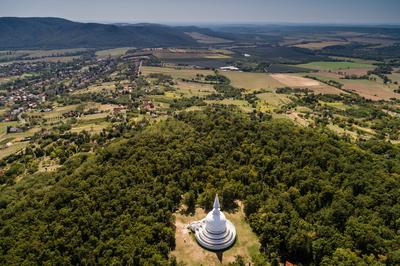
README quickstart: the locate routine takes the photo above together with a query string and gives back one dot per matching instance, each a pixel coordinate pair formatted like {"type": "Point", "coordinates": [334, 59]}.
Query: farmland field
{"type": "Point", "coordinates": [113, 52]}
{"type": "Point", "coordinates": [335, 65]}
{"type": "Point", "coordinates": [370, 89]}
{"type": "Point", "coordinates": [191, 54]}
{"type": "Point", "coordinates": [295, 81]}
{"type": "Point", "coordinates": [175, 72]}
{"type": "Point", "coordinates": [252, 81]}
{"type": "Point", "coordinates": [194, 89]}
{"type": "Point", "coordinates": [205, 39]}
{"type": "Point", "coordinates": [320, 45]}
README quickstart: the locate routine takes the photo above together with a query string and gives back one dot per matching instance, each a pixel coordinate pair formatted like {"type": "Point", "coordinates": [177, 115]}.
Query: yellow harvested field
{"type": "Point", "coordinates": [251, 81]}
{"type": "Point", "coordinates": [175, 72]}
{"type": "Point", "coordinates": [295, 81]}
{"type": "Point", "coordinates": [189, 252]}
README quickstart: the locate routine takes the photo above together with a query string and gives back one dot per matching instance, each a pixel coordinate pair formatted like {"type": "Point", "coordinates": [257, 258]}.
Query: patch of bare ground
{"type": "Point", "coordinates": [189, 252]}
{"type": "Point", "coordinates": [295, 81]}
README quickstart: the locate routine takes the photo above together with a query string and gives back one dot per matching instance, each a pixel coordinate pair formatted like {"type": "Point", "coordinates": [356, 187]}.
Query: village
{"type": "Point", "coordinates": [88, 93]}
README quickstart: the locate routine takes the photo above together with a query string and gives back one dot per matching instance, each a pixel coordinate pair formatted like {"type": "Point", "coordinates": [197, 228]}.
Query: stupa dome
{"type": "Point", "coordinates": [214, 232]}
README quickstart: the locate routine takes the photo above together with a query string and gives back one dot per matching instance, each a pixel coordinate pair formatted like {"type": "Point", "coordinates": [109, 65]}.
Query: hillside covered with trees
{"type": "Point", "coordinates": [311, 196]}
{"type": "Point", "coordinates": [48, 33]}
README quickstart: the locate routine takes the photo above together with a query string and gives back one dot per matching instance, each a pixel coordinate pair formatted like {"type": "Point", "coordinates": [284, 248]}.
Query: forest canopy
{"type": "Point", "coordinates": [311, 196]}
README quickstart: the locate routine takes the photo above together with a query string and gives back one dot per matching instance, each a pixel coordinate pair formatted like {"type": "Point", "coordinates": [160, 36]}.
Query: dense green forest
{"type": "Point", "coordinates": [311, 196]}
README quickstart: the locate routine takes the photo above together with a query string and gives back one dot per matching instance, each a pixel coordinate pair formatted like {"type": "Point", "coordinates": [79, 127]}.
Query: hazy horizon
{"type": "Point", "coordinates": [179, 12]}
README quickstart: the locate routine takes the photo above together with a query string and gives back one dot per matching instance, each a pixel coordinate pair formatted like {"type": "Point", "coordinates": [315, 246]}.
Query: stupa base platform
{"type": "Point", "coordinates": [212, 241]}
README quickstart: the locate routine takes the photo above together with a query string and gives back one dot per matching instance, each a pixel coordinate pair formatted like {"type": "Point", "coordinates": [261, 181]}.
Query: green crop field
{"type": "Point", "coordinates": [335, 65]}
{"type": "Point", "coordinates": [113, 52]}
{"type": "Point", "coordinates": [252, 81]}
{"type": "Point", "coordinates": [175, 72]}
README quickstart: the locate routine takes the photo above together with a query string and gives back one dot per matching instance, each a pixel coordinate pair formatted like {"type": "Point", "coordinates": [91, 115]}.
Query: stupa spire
{"type": "Point", "coordinates": [216, 206]}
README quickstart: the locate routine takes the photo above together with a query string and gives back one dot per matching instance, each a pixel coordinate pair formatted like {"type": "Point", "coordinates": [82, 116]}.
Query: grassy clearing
{"type": "Point", "coordinates": [174, 53]}
{"type": "Point", "coordinates": [270, 101]}
{"type": "Point", "coordinates": [242, 104]}
{"type": "Point", "coordinates": [16, 147]}
{"type": "Point", "coordinates": [395, 77]}
{"type": "Point", "coordinates": [319, 45]}
{"type": "Point", "coordinates": [335, 65]}
{"type": "Point", "coordinates": [338, 105]}
{"type": "Point", "coordinates": [342, 131]}
{"type": "Point", "coordinates": [93, 128]}
{"type": "Point", "coordinates": [99, 88]}
{"type": "Point", "coordinates": [56, 113]}
{"type": "Point", "coordinates": [355, 60]}
{"type": "Point", "coordinates": [252, 81]}
{"type": "Point", "coordinates": [189, 89]}
{"type": "Point", "coordinates": [8, 79]}
{"type": "Point", "coordinates": [205, 39]}
{"type": "Point", "coordinates": [113, 52]}
{"type": "Point", "coordinates": [21, 135]}
{"type": "Point", "coordinates": [175, 72]}
{"type": "Point", "coordinates": [3, 126]}
{"type": "Point", "coordinates": [188, 251]}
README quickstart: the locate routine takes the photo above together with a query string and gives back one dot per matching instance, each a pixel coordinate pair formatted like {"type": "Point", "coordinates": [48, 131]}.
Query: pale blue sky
{"type": "Point", "coordinates": [210, 11]}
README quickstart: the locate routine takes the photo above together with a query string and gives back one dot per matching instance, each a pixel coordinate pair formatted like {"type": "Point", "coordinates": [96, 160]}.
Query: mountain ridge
{"type": "Point", "coordinates": [51, 33]}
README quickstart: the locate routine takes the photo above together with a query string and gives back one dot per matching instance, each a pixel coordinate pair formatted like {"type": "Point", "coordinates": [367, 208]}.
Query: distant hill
{"type": "Point", "coordinates": [17, 33]}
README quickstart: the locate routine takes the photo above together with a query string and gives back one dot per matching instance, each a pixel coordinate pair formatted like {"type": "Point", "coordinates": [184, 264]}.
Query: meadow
{"type": "Point", "coordinates": [335, 65]}
{"type": "Point", "coordinates": [115, 52]}
{"type": "Point", "coordinates": [252, 81]}
{"type": "Point", "coordinates": [176, 73]}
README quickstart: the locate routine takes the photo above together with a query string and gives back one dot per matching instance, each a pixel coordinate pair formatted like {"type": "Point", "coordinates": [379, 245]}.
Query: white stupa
{"type": "Point", "coordinates": [214, 232]}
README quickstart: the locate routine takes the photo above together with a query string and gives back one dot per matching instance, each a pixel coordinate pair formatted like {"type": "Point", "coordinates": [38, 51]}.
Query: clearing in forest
{"type": "Point", "coordinates": [189, 252]}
